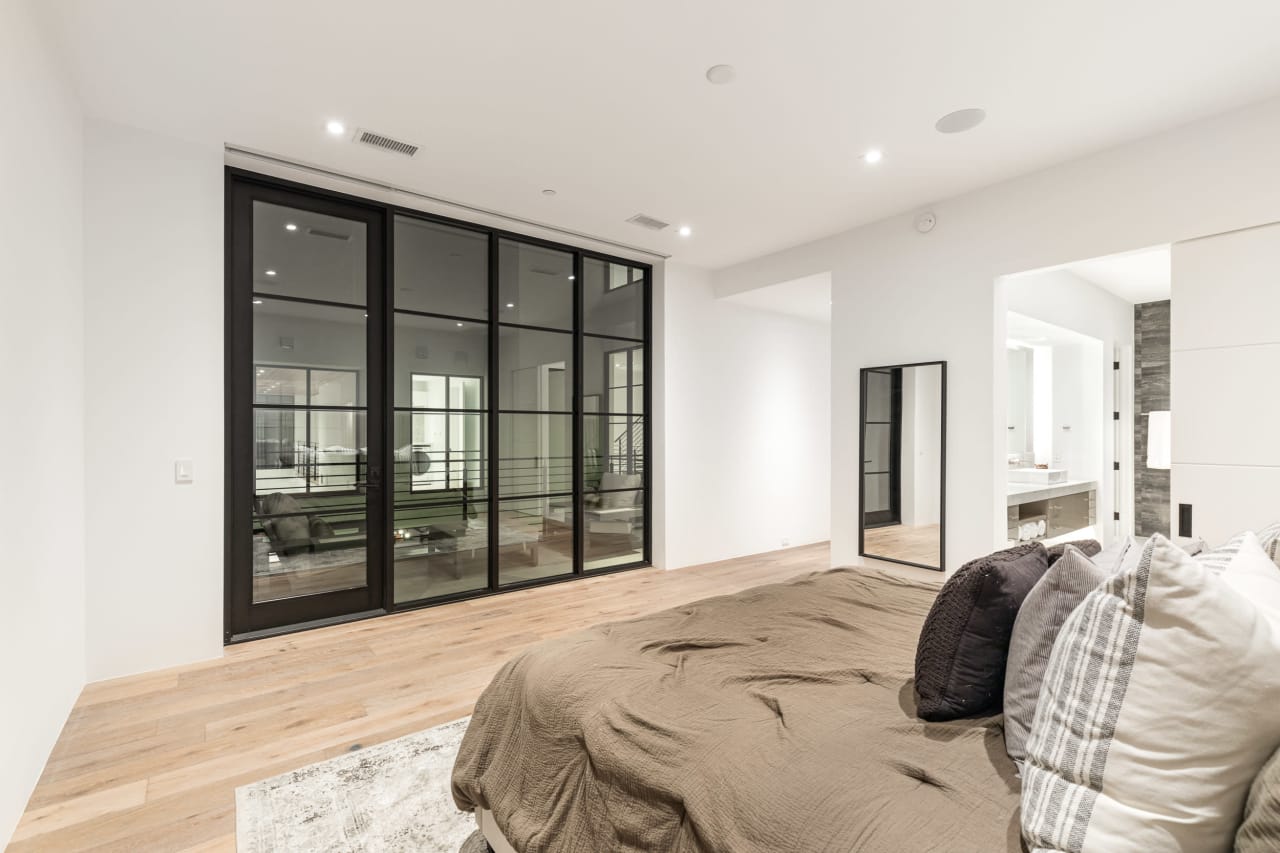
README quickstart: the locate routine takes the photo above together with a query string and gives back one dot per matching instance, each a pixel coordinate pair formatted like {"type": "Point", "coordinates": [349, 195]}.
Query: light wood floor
{"type": "Point", "coordinates": [913, 544]}
{"type": "Point", "coordinates": [151, 762]}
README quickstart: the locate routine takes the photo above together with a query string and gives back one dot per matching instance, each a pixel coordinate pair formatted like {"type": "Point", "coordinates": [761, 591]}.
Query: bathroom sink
{"type": "Point", "coordinates": [1040, 476]}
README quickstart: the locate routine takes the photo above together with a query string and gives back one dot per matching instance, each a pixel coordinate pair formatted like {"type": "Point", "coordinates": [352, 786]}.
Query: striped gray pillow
{"type": "Point", "coordinates": [1260, 832]}
{"type": "Point", "coordinates": [1158, 707]}
{"type": "Point", "coordinates": [1040, 618]}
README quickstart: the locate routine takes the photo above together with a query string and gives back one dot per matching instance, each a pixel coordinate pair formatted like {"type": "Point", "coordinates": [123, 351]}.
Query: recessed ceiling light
{"type": "Point", "coordinates": [875, 155]}
{"type": "Point", "coordinates": [335, 127]}
{"type": "Point", "coordinates": [685, 231]}
{"type": "Point", "coordinates": [257, 302]}
{"type": "Point", "coordinates": [289, 226]}
{"type": "Point", "coordinates": [720, 75]}
{"type": "Point", "coordinates": [459, 324]}
{"type": "Point", "coordinates": [271, 272]}
{"type": "Point", "coordinates": [960, 120]}
{"type": "Point", "coordinates": [548, 193]}
{"type": "Point", "coordinates": [570, 278]}
{"type": "Point", "coordinates": [511, 305]}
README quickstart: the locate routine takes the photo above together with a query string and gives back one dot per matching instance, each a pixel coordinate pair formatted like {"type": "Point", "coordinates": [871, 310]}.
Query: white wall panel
{"type": "Point", "coordinates": [1225, 411]}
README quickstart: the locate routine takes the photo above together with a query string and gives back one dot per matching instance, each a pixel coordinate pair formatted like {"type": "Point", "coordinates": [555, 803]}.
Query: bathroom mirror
{"type": "Point", "coordinates": [902, 492]}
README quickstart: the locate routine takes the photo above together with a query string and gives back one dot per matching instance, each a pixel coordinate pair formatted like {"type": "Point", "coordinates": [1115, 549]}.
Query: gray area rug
{"type": "Point", "coordinates": [390, 797]}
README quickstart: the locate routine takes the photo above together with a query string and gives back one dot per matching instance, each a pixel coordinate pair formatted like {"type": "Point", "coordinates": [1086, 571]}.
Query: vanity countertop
{"type": "Point", "coordinates": [1021, 493]}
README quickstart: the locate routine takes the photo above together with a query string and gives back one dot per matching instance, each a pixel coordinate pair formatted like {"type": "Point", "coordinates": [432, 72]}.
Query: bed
{"type": "Point", "coordinates": [780, 718]}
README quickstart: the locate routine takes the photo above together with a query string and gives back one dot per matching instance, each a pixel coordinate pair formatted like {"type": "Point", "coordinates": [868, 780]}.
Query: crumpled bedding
{"type": "Point", "coordinates": [780, 718]}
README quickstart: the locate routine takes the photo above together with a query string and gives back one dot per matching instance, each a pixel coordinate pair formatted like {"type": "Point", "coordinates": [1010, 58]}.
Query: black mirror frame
{"type": "Point", "coordinates": [862, 480]}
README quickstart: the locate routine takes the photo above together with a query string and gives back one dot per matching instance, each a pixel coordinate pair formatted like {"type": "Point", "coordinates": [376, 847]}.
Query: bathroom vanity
{"type": "Point", "coordinates": [1063, 507]}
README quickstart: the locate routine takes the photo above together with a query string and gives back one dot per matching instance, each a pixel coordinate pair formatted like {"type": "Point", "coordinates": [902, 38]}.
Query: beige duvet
{"type": "Point", "coordinates": [776, 719]}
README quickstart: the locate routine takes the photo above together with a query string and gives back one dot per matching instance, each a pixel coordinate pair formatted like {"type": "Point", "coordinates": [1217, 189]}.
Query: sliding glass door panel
{"type": "Point", "coordinates": [304, 404]}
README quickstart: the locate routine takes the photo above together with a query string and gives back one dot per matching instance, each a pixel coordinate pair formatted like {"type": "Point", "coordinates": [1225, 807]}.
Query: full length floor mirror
{"type": "Point", "coordinates": [902, 487]}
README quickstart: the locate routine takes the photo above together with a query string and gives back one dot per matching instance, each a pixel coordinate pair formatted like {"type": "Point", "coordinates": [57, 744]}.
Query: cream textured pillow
{"type": "Point", "coordinates": [1158, 708]}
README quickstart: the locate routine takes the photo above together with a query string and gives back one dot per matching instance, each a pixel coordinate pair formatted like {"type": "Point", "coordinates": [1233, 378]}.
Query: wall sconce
{"type": "Point", "coordinates": [1159, 440]}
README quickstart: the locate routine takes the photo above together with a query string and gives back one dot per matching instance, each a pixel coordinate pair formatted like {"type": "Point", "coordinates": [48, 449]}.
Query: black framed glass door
{"type": "Point", "coordinates": [421, 410]}
{"type": "Point", "coordinates": [305, 403]}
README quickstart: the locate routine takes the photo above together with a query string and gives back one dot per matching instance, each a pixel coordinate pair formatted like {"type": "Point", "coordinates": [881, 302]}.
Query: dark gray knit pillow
{"type": "Point", "coordinates": [960, 660]}
{"type": "Point", "coordinates": [1040, 618]}
{"type": "Point", "coordinates": [1089, 547]}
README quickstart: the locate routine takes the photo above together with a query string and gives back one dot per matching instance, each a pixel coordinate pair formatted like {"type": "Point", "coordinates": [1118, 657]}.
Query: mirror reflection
{"type": "Point", "coordinates": [903, 451]}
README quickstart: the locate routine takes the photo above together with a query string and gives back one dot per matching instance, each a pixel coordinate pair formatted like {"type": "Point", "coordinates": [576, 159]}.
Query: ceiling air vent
{"type": "Point", "coordinates": [649, 222]}
{"type": "Point", "coordinates": [386, 143]}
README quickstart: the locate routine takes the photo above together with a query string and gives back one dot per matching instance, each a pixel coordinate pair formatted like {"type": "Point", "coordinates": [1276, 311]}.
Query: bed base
{"type": "Point", "coordinates": [498, 842]}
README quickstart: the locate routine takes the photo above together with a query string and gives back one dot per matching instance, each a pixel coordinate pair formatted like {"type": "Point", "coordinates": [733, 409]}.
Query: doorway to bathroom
{"type": "Point", "coordinates": [1086, 352]}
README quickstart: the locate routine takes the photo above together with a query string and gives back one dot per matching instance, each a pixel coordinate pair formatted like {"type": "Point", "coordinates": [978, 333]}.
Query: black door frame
{"type": "Point", "coordinates": [238, 415]}
{"type": "Point", "coordinates": [244, 618]}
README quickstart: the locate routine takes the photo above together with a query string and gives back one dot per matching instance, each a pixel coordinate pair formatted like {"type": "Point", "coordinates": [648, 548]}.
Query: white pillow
{"type": "Point", "coordinates": [1160, 705]}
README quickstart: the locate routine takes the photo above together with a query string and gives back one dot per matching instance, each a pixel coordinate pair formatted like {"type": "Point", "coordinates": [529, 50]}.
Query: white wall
{"type": "Point", "coordinates": [1084, 399]}
{"type": "Point", "coordinates": [153, 394]}
{"type": "Point", "coordinates": [1225, 352]}
{"type": "Point", "coordinates": [904, 296]}
{"type": "Point", "coordinates": [42, 644]}
{"type": "Point", "coordinates": [745, 455]}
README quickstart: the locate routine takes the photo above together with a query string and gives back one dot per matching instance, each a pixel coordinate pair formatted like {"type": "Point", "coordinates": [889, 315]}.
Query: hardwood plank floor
{"type": "Point", "coordinates": [913, 544]}
{"type": "Point", "coordinates": [151, 762]}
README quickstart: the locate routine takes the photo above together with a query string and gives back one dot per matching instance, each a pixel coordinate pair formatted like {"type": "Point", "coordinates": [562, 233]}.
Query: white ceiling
{"type": "Point", "coordinates": [808, 298]}
{"type": "Point", "coordinates": [606, 101]}
{"type": "Point", "coordinates": [1025, 331]}
{"type": "Point", "coordinates": [1144, 276]}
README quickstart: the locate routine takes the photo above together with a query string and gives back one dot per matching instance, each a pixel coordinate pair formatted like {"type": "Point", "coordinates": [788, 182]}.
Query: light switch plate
{"type": "Point", "coordinates": [183, 471]}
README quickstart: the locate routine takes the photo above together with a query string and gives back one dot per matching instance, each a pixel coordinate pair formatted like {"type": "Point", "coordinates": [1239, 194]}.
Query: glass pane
{"type": "Point", "coordinates": [614, 529]}
{"type": "Point", "coordinates": [330, 341]}
{"type": "Point", "coordinates": [441, 269]}
{"type": "Point", "coordinates": [285, 386]}
{"type": "Point", "coordinates": [612, 299]}
{"type": "Point", "coordinates": [435, 348]}
{"type": "Point", "coordinates": [877, 495]}
{"type": "Point", "coordinates": [535, 370]}
{"type": "Point", "coordinates": [335, 388]}
{"type": "Point", "coordinates": [336, 455]}
{"type": "Point", "coordinates": [300, 253]}
{"type": "Point", "coordinates": [612, 453]}
{"type": "Point", "coordinates": [535, 539]}
{"type": "Point", "coordinates": [279, 450]}
{"type": "Point", "coordinates": [535, 285]}
{"type": "Point", "coordinates": [304, 544]}
{"type": "Point", "coordinates": [442, 453]}
{"type": "Point", "coordinates": [533, 454]}
{"type": "Point", "coordinates": [608, 371]}
{"type": "Point", "coordinates": [440, 548]}
{"type": "Point", "coordinates": [879, 396]}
